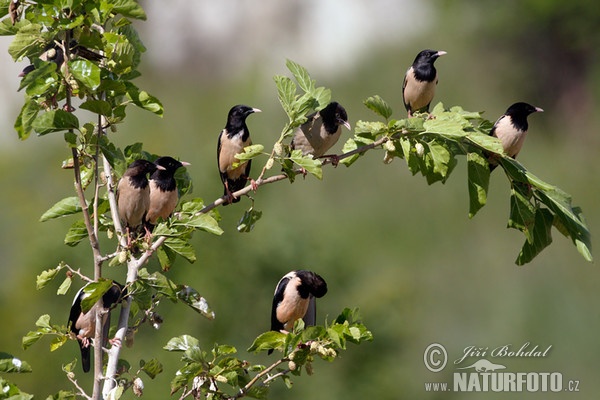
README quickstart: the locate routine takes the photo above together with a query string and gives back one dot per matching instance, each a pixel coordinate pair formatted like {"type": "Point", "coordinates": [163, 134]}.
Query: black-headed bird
{"type": "Point", "coordinates": [232, 140]}
{"type": "Point", "coordinates": [420, 82]}
{"type": "Point", "coordinates": [83, 325]}
{"type": "Point", "coordinates": [163, 190]}
{"type": "Point", "coordinates": [294, 299]}
{"type": "Point", "coordinates": [511, 128]}
{"type": "Point", "coordinates": [321, 131]}
{"type": "Point", "coordinates": [133, 194]}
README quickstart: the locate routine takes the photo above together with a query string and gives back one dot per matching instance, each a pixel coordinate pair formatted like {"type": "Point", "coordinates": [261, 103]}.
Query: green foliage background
{"type": "Point", "coordinates": [402, 251]}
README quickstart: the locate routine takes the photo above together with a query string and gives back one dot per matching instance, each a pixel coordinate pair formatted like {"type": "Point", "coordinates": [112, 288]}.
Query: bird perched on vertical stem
{"type": "Point", "coordinates": [83, 325]}
{"type": "Point", "coordinates": [133, 194]}
{"type": "Point", "coordinates": [294, 298]}
{"type": "Point", "coordinates": [232, 140]}
{"type": "Point", "coordinates": [420, 81]}
{"type": "Point", "coordinates": [511, 128]}
{"type": "Point", "coordinates": [321, 131]}
{"type": "Point", "coordinates": [163, 190]}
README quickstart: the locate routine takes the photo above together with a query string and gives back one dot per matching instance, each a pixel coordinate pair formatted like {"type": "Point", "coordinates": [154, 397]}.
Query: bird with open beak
{"type": "Point", "coordinates": [420, 82]}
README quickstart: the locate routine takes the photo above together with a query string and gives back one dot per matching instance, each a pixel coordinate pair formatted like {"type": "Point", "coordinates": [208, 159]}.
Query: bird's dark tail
{"type": "Point", "coordinates": [85, 357]}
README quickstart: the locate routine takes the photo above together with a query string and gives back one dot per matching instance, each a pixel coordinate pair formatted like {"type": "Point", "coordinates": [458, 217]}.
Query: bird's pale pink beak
{"type": "Point", "coordinates": [347, 125]}
{"type": "Point", "coordinates": [185, 163]}
{"type": "Point", "coordinates": [160, 167]}
{"type": "Point", "coordinates": [256, 110]}
{"type": "Point", "coordinates": [441, 53]}
{"type": "Point", "coordinates": [537, 109]}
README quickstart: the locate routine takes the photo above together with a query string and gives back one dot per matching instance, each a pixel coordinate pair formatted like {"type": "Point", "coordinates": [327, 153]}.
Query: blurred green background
{"type": "Point", "coordinates": [404, 252]}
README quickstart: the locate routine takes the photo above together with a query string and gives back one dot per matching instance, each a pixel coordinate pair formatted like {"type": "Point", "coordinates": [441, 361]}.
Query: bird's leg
{"type": "Point", "coordinates": [228, 196]}
{"type": "Point", "coordinates": [335, 160]}
{"type": "Point", "coordinates": [85, 341]}
{"type": "Point", "coordinates": [253, 184]}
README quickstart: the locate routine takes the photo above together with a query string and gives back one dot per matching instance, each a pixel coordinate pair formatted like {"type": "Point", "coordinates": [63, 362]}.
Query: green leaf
{"type": "Point", "coordinates": [128, 8]}
{"type": "Point", "coordinates": [31, 338]}
{"type": "Point", "coordinates": [24, 122]}
{"type": "Point", "coordinates": [11, 364]}
{"type": "Point", "coordinates": [27, 42]}
{"type": "Point", "coordinates": [286, 92]}
{"type": "Point", "coordinates": [181, 247]}
{"type": "Point", "coordinates": [485, 142]}
{"type": "Point", "coordinates": [64, 287]}
{"type": "Point", "coordinates": [113, 154]}
{"type": "Point", "coordinates": [182, 343]}
{"type": "Point", "coordinates": [67, 206]}
{"type": "Point", "coordinates": [97, 107]}
{"type": "Point", "coordinates": [204, 222]}
{"type": "Point", "coordinates": [40, 79]}
{"type": "Point", "coordinates": [63, 395]}
{"type": "Point", "coordinates": [152, 367]}
{"type": "Point", "coordinates": [86, 73]}
{"type": "Point", "coordinates": [57, 342]}
{"type": "Point", "coordinates": [159, 282]}
{"type": "Point", "coordinates": [249, 153]}
{"type": "Point", "coordinates": [267, 341]}
{"type": "Point", "coordinates": [192, 298]}
{"type": "Point", "coordinates": [55, 121]}
{"type": "Point", "coordinates": [349, 146]}
{"type": "Point", "coordinates": [92, 292]}
{"type": "Point", "coordinates": [144, 100]}
{"type": "Point", "coordinates": [44, 322]}
{"type": "Point", "coordinates": [248, 220]}
{"type": "Point", "coordinates": [301, 75]}
{"type": "Point", "coordinates": [541, 236]}
{"type": "Point", "coordinates": [378, 106]}
{"type": "Point", "coordinates": [46, 276]}
{"type": "Point", "coordinates": [311, 165]}
{"type": "Point", "coordinates": [522, 212]}
{"type": "Point", "coordinates": [478, 175]}
{"type": "Point", "coordinates": [76, 233]}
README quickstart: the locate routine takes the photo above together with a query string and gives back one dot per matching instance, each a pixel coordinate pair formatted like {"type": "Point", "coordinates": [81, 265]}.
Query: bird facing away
{"type": "Point", "coordinates": [232, 140]}
{"type": "Point", "coordinates": [420, 81]}
{"type": "Point", "coordinates": [163, 190]}
{"type": "Point", "coordinates": [511, 129]}
{"type": "Point", "coordinates": [83, 325]}
{"type": "Point", "coordinates": [133, 193]}
{"type": "Point", "coordinates": [321, 131]}
{"type": "Point", "coordinates": [294, 298]}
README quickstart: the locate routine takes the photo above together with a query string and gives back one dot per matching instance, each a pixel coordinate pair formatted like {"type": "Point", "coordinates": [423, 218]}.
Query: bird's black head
{"type": "Point", "coordinates": [237, 116]}
{"type": "Point", "coordinates": [169, 165]}
{"type": "Point", "coordinates": [522, 109]}
{"type": "Point", "coordinates": [141, 168]}
{"type": "Point", "coordinates": [312, 282]}
{"type": "Point", "coordinates": [428, 56]}
{"type": "Point", "coordinates": [333, 116]}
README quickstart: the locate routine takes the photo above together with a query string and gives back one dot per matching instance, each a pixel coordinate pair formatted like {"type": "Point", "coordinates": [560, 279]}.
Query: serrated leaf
{"type": "Point", "coordinates": [43, 322]}
{"type": "Point", "coordinates": [478, 178]}
{"type": "Point", "coordinates": [522, 212]}
{"type": "Point", "coordinates": [26, 42]}
{"type": "Point", "coordinates": [301, 75]}
{"type": "Point", "coordinates": [378, 106]}
{"type": "Point", "coordinates": [115, 393]}
{"type": "Point", "coordinates": [286, 92]}
{"type": "Point", "coordinates": [66, 206]}
{"type": "Point", "coordinates": [446, 127]}
{"type": "Point", "coordinates": [55, 121]}
{"type": "Point", "coordinates": [438, 160]}
{"type": "Point", "coordinates": [192, 298]}
{"type": "Point", "coordinates": [182, 343]}
{"type": "Point", "coordinates": [152, 368]}
{"type": "Point", "coordinates": [76, 233]}
{"type": "Point", "coordinates": [268, 340]}
{"type": "Point", "coordinates": [485, 142]}
{"type": "Point", "coordinates": [128, 8]}
{"type": "Point", "coordinates": [31, 338]}
{"type": "Point", "coordinates": [11, 364]}
{"type": "Point", "coordinates": [249, 153]}
{"type": "Point", "coordinates": [86, 73]}
{"type": "Point", "coordinates": [45, 277]}
{"type": "Point", "coordinates": [204, 222]}
{"type": "Point", "coordinates": [40, 79]}
{"type": "Point", "coordinates": [541, 236]}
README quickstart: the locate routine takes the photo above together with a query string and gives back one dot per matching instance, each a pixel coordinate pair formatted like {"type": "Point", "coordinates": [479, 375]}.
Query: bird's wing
{"type": "Point", "coordinates": [406, 105]}
{"type": "Point", "coordinates": [310, 318]}
{"type": "Point", "coordinates": [276, 325]}
{"type": "Point", "coordinates": [75, 311]}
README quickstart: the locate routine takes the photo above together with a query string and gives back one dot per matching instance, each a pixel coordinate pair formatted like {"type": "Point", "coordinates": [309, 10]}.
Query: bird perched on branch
{"type": "Point", "coordinates": [420, 81]}
{"type": "Point", "coordinates": [511, 129]}
{"type": "Point", "coordinates": [54, 52]}
{"type": "Point", "coordinates": [83, 325]}
{"type": "Point", "coordinates": [232, 140]}
{"type": "Point", "coordinates": [294, 298]}
{"type": "Point", "coordinates": [133, 194]}
{"type": "Point", "coordinates": [321, 131]}
{"type": "Point", "coordinates": [163, 190]}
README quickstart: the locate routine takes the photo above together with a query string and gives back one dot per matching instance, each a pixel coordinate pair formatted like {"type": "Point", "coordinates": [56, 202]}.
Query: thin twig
{"type": "Point", "coordinates": [258, 376]}
{"type": "Point", "coordinates": [82, 393]}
